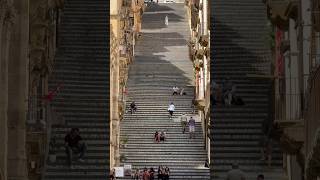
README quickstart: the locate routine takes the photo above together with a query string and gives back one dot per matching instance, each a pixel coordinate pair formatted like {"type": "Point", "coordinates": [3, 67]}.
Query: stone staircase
{"type": "Point", "coordinates": [240, 52]}
{"type": "Point", "coordinates": [82, 66]}
{"type": "Point", "coordinates": [161, 62]}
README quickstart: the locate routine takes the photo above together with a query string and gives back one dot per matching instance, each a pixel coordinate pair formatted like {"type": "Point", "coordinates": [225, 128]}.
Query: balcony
{"type": "Point", "coordinates": [292, 9]}
{"type": "Point", "coordinates": [281, 10]}
{"type": "Point", "coordinates": [200, 104]}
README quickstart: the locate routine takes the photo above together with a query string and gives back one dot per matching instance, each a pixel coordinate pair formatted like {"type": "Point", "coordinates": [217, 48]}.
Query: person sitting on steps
{"type": "Point", "coordinates": [182, 92]}
{"type": "Point", "coordinates": [166, 173]}
{"type": "Point", "coordinates": [163, 136]}
{"type": "Point", "coordinates": [74, 145]}
{"type": "Point", "coordinates": [157, 137]}
{"type": "Point", "coordinates": [160, 173]}
{"type": "Point", "coordinates": [229, 90]}
{"type": "Point", "coordinates": [146, 175]}
{"type": "Point", "coordinates": [260, 177]}
{"type": "Point", "coordinates": [133, 107]}
{"type": "Point", "coordinates": [135, 175]}
{"type": "Point", "coordinates": [175, 90]}
{"type": "Point", "coordinates": [151, 172]}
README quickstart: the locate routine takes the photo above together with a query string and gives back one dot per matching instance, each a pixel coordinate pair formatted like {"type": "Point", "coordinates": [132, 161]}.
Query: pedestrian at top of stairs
{"type": "Point", "coordinates": [235, 173]}
{"type": "Point", "coordinates": [166, 20]}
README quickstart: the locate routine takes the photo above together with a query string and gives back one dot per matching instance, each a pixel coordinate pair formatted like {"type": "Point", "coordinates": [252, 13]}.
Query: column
{"type": "Point", "coordinates": [5, 29]}
{"type": "Point", "coordinates": [18, 92]}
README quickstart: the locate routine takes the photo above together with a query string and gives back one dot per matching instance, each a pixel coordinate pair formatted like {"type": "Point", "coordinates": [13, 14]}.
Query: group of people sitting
{"type": "Point", "coordinates": [225, 93]}
{"type": "Point", "coordinates": [74, 145]}
{"type": "Point", "coordinates": [133, 107]}
{"type": "Point", "coordinates": [149, 174]}
{"type": "Point", "coordinates": [160, 136]}
{"type": "Point", "coordinates": [176, 91]}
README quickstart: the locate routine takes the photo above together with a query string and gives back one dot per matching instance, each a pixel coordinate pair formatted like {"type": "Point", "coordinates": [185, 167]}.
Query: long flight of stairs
{"type": "Point", "coordinates": [239, 52]}
{"type": "Point", "coordinates": [161, 62]}
{"type": "Point", "coordinates": [82, 66]}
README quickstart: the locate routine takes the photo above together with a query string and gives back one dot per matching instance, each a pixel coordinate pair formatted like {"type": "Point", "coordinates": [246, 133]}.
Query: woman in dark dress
{"type": "Point", "coordinates": [160, 175]}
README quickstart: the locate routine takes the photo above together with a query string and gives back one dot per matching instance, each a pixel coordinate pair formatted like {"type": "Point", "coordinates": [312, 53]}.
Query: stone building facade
{"type": "Point", "coordinates": [294, 40]}
{"type": "Point", "coordinates": [199, 51]}
{"type": "Point", "coordinates": [125, 25]}
{"type": "Point", "coordinates": [28, 41]}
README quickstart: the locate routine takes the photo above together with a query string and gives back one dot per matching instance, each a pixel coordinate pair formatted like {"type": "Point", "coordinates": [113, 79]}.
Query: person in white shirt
{"type": "Point", "coordinates": [166, 20]}
{"type": "Point", "coordinates": [171, 109]}
{"type": "Point", "coordinates": [175, 90]}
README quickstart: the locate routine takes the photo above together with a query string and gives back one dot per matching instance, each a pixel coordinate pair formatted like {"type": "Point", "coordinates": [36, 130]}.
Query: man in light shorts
{"type": "Point", "coordinates": [192, 124]}
{"type": "Point", "coordinates": [184, 121]}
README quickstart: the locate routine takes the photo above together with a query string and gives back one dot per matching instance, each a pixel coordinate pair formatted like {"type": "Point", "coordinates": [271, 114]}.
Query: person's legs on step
{"type": "Point", "coordinates": [69, 155]}
{"type": "Point", "coordinates": [192, 130]}
{"type": "Point", "coordinates": [82, 150]}
{"type": "Point", "coordinates": [171, 114]}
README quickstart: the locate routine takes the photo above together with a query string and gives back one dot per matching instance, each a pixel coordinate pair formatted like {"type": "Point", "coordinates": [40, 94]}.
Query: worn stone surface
{"type": "Point", "coordinates": [161, 62]}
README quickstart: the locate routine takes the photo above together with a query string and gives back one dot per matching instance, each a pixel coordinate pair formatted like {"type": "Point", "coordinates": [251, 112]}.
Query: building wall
{"type": "Point", "coordinates": [312, 116]}
{"type": "Point", "coordinates": [122, 37]}
{"type": "Point", "coordinates": [27, 49]}
{"type": "Point", "coordinates": [200, 32]}
{"type": "Point", "coordinates": [297, 92]}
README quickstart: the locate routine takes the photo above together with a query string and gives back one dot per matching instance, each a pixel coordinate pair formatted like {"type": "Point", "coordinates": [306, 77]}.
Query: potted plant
{"type": "Point", "coordinates": [123, 158]}
{"type": "Point", "coordinates": [124, 141]}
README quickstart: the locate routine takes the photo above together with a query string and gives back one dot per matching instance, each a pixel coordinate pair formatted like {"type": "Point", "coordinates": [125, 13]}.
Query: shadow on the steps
{"type": "Point", "coordinates": [154, 18]}
{"type": "Point", "coordinates": [151, 7]}
{"type": "Point", "coordinates": [233, 61]}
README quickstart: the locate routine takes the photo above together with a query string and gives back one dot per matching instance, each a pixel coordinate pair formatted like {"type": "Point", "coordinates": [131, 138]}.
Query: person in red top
{"type": "Point", "coordinates": [74, 145]}
{"type": "Point", "coordinates": [146, 175]}
{"type": "Point", "coordinates": [51, 94]}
